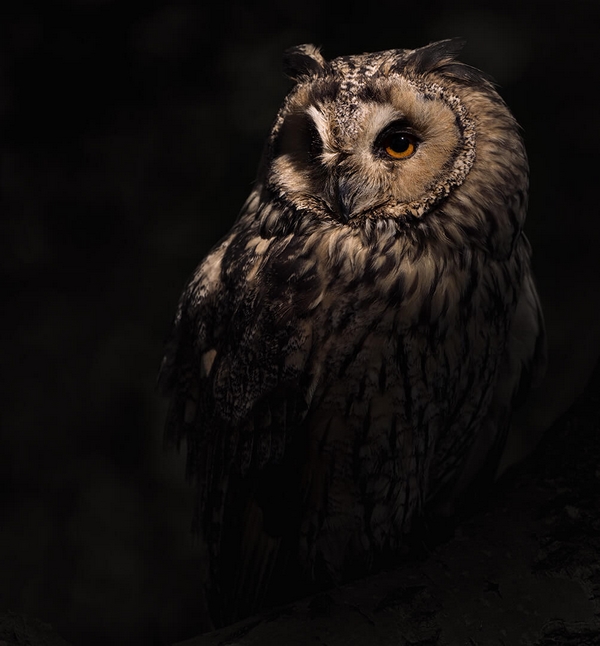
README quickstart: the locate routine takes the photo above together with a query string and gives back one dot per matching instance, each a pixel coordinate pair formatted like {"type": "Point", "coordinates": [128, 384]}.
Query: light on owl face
{"type": "Point", "coordinates": [346, 359]}
{"type": "Point", "coordinates": [358, 154]}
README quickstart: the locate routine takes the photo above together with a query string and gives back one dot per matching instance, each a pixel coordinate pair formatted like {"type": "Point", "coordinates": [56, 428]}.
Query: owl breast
{"type": "Point", "coordinates": [405, 349]}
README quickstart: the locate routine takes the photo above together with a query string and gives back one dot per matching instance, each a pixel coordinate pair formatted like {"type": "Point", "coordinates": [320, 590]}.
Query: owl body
{"type": "Point", "coordinates": [348, 356]}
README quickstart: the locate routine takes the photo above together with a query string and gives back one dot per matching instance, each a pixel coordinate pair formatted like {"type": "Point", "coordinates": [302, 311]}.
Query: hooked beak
{"type": "Point", "coordinates": [349, 193]}
{"type": "Point", "coordinates": [352, 197]}
{"type": "Point", "coordinates": [344, 201]}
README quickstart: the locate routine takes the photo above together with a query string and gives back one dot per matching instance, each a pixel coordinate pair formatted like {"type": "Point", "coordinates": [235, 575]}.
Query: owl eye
{"type": "Point", "coordinates": [397, 142]}
{"type": "Point", "coordinates": [399, 145]}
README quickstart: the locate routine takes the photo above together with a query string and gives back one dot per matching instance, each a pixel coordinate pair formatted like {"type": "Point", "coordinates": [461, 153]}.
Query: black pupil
{"type": "Point", "coordinates": [398, 142]}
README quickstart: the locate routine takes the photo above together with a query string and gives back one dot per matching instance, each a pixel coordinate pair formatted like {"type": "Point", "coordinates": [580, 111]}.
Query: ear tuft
{"type": "Point", "coordinates": [303, 61]}
{"type": "Point", "coordinates": [440, 57]}
{"type": "Point", "coordinates": [434, 55]}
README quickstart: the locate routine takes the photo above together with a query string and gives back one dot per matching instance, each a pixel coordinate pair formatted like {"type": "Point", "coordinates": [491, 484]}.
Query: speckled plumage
{"type": "Point", "coordinates": [348, 356]}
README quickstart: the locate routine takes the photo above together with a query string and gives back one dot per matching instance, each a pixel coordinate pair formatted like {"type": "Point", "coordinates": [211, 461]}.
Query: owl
{"type": "Point", "coordinates": [345, 361]}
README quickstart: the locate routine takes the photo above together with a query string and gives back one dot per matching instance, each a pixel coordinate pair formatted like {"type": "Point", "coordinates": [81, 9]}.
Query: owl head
{"type": "Point", "coordinates": [398, 135]}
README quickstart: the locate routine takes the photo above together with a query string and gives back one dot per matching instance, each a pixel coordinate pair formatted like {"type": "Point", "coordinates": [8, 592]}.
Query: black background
{"type": "Point", "coordinates": [130, 139]}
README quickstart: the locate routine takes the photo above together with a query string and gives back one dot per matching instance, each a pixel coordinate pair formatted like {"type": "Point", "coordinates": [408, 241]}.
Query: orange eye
{"type": "Point", "coordinates": [399, 145]}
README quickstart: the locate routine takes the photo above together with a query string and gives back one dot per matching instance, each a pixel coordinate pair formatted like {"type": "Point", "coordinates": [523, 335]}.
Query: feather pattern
{"type": "Point", "coordinates": [345, 360]}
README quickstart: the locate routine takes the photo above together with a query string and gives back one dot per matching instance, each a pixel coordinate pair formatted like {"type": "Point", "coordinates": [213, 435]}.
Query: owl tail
{"type": "Point", "coordinates": [259, 554]}
{"type": "Point", "coordinates": [258, 538]}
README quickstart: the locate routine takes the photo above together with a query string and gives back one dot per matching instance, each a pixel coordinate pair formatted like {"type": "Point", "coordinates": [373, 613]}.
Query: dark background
{"type": "Point", "coordinates": [130, 138]}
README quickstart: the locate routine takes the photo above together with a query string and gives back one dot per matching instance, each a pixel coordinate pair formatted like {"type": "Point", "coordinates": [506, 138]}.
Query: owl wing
{"type": "Point", "coordinates": [235, 360]}
{"type": "Point", "coordinates": [240, 374]}
{"type": "Point", "coordinates": [527, 350]}
{"type": "Point", "coordinates": [523, 367]}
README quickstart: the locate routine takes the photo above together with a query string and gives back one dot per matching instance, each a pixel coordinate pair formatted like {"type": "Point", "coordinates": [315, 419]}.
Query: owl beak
{"type": "Point", "coordinates": [350, 202]}
{"type": "Point", "coordinates": [344, 201]}
{"type": "Point", "coordinates": [350, 197]}
{"type": "Point", "coordinates": [344, 210]}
